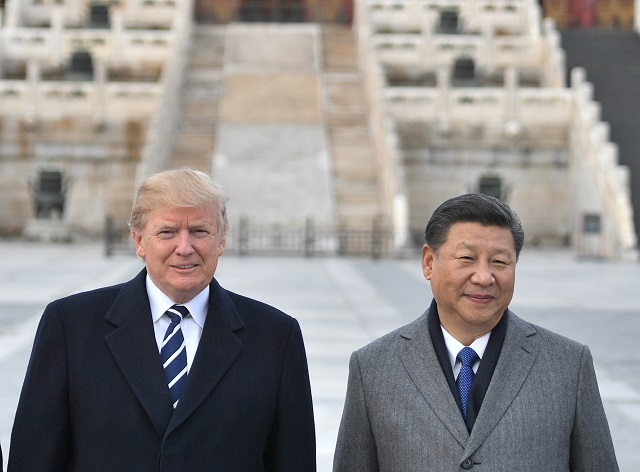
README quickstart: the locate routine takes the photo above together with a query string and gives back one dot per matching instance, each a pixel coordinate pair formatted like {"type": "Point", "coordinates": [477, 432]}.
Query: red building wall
{"type": "Point", "coordinates": [224, 11]}
{"type": "Point", "coordinates": [590, 13]}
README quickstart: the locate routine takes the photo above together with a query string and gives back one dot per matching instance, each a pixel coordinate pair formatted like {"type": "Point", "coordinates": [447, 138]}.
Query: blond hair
{"type": "Point", "coordinates": [179, 188]}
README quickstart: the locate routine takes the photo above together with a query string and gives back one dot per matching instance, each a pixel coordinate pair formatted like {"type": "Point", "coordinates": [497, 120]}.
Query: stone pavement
{"type": "Point", "coordinates": [344, 303]}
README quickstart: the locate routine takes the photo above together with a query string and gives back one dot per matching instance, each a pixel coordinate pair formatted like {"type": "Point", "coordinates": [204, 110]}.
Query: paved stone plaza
{"type": "Point", "coordinates": [344, 303]}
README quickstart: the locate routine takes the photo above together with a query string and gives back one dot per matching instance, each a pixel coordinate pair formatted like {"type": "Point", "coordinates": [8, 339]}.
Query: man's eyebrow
{"type": "Point", "coordinates": [499, 250]}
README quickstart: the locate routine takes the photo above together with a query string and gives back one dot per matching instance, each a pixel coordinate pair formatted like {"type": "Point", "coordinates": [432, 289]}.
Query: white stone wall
{"type": "Point", "coordinates": [538, 193]}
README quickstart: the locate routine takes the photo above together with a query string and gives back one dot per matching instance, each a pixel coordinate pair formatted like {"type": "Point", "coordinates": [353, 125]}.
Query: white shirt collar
{"type": "Point", "coordinates": [160, 303]}
{"type": "Point", "coordinates": [454, 346]}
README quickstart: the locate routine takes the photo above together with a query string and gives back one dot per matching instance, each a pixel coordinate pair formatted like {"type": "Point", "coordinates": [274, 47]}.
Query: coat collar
{"type": "Point", "coordinates": [132, 344]}
{"type": "Point", "coordinates": [519, 352]}
{"type": "Point", "coordinates": [420, 360]}
{"type": "Point", "coordinates": [217, 350]}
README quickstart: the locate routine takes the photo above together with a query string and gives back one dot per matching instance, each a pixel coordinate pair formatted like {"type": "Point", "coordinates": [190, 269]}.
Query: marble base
{"type": "Point", "coordinates": [47, 230]}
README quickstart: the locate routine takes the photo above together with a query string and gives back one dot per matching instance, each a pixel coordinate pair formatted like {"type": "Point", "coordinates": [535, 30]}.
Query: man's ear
{"type": "Point", "coordinates": [427, 261]}
{"type": "Point", "coordinates": [136, 236]}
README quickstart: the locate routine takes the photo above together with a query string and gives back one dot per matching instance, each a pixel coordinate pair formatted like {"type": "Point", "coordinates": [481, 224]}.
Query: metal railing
{"type": "Point", "coordinates": [306, 240]}
{"type": "Point", "coordinates": [117, 238]}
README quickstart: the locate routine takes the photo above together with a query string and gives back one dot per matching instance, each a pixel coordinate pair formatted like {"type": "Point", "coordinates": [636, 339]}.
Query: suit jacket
{"type": "Point", "coordinates": [541, 412]}
{"type": "Point", "coordinates": [95, 396]}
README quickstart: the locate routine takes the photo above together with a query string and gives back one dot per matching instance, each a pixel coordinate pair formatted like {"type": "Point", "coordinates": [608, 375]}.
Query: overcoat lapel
{"type": "Point", "coordinates": [134, 349]}
{"type": "Point", "coordinates": [421, 363]}
{"type": "Point", "coordinates": [217, 350]}
{"type": "Point", "coordinates": [519, 352]}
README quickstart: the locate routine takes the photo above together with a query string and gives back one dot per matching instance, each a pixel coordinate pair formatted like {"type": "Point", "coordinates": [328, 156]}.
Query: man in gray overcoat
{"type": "Point", "coordinates": [469, 385]}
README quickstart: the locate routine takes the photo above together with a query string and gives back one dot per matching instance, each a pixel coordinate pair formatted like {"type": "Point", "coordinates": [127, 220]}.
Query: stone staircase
{"type": "Point", "coordinates": [612, 61]}
{"type": "Point", "coordinates": [195, 137]}
{"type": "Point", "coordinates": [355, 174]}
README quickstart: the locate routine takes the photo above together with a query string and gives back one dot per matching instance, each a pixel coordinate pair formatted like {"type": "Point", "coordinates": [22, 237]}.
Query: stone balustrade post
{"type": "Point", "coordinates": [31, 112]}
{"type": "Point", "coordinates": [57, 29]}
{"type": "Point", "coordinates": [100, 82]}
{"type": "Point", "coordinates": [117, 30]}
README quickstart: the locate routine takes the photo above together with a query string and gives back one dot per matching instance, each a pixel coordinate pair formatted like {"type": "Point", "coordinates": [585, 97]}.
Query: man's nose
{"type": "Point", "coordinates": [184, 242]}
{"type": "Point", "coordinates": [483, 274]}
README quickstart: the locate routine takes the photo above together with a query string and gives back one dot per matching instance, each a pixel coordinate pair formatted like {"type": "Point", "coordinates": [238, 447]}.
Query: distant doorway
{"type": "Point", "coordinates": [491, 185]}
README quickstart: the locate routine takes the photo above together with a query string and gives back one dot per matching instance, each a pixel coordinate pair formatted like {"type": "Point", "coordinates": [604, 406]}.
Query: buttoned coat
{"type": "Point", "coordinates": [542, 410]}
{"type": "Point", "coordinates": [95, 396]}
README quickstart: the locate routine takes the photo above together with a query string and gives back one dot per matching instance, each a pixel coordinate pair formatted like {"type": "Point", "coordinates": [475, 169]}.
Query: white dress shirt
{"type": "Point", "coordinates": [454, 346]}
{"type": "Point", "coordinates": [191, 326]}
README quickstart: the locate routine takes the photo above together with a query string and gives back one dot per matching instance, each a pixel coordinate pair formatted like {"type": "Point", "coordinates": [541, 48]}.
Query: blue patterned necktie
{"type": "Point", "coordinates": [173, 352]}
{"type": "Point", "coordinates": [468, 357]}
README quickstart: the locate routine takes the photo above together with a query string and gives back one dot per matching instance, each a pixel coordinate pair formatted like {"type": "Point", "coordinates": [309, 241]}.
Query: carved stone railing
{"type": "Point", "coordinates": [504, 16]}
{"type": "Point", "coordinates": [54, 46]}
{"type": "Point", "coordinates": [136, 13]}
{"type": "Point", "coordinates": [35, 99]}
{"type": "Point", "coordinates": [495, 34]}
{"type": "Point", "coordinates": [527, 106]}
{"type": "Point", "coordinates": [600, 184]}
{"type": "Point", "coordinates": [399, 34]}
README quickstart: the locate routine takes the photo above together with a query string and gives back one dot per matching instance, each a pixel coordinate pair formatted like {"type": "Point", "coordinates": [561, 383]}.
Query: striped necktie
{"type": "Point", "coordinates": [173, 353]}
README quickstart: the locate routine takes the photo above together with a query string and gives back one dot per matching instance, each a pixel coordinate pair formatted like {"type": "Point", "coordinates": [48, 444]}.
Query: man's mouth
{"type": "Point", "coordinates": [481, 297]}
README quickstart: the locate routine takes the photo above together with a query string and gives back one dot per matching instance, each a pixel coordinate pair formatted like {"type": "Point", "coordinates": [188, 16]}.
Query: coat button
{"type": "Point", "coordinates": [467, 464]}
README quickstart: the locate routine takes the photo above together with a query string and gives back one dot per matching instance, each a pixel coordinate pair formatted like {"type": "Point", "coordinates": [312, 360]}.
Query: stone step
{"type": "Point", "coordinates": [197, 127]}
{"type": "Point", "coordinates": [358, 215]}
{"type": "Point", "coordinates": [198, 158]}
{"type": "Point", "coordinates": [191, 142]}
{"type": "Point", "coordinates": [201, 102]}
{"type": "Point", "coordinates": [354, 134]}
{"type": "Point", "coordinates": [355, 206]}
{"type": "Point", "coordinates": [354, 174]}
{"type": "Point", "coordinates": [195, 138]}
{"type": "Point", "coordinates": [205, 95]}
{"type": "Point", "coordinates": [204, 75]}
{"type": "Point", "coordinates": [364, 190]}
{"type": "Point", "coordinates": [206, 59]}
{"type": "Point", "coordinates": [346, 97]}
{"type": "Point", "coordinates": [201, 163]}
{"type": "Point", "coordinates": [343, 81]}
{"type": "Point", "coordinates": [347, 114]}
{"type": "Point", "coordinates": [350, 151]}
{"type": "Point", "coordinates": [339, 47]}
{"type": "Point", "coordinates": [348, 161]}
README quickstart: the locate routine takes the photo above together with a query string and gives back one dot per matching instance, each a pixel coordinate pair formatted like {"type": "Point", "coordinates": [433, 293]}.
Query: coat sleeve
{"type": "Point", "coordinates": [292, 442]}
{"type": "Point", "coordinates": [40, 435]}
{"type": "Point", "coordinates": [355, 448]}
{"type": "Point", "coordinates": [591, 443]}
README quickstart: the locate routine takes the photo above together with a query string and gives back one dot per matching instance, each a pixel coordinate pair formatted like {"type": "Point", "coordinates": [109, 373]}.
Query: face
{"type": "Point", "coordinates": [180, 247]}
{"type": "Point", "coordinates": [472, 278]}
